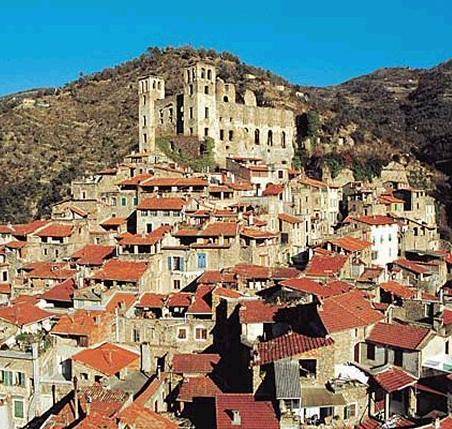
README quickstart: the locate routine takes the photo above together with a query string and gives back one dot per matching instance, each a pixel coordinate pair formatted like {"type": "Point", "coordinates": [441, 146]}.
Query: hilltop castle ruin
{"type": "Point", "coordinates": [207, 107]}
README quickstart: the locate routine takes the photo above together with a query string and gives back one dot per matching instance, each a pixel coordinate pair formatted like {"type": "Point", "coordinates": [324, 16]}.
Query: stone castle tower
{"type": "Point", "coordinates": [150, 89]}
{"type": "Point", "coordinates": [209, 107]}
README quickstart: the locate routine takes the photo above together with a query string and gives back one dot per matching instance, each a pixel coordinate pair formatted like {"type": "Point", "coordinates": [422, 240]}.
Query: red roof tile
{"type": "Point", "coordinates": [107, 358]}
{"type": "Point", "coordinates": [16, 244]}
{"type": "Point", "coordinates": [313, 182]}
{"type": "Point", "coordinates": [29, 228]}
{"type": "Point", "coordinates": [398, 289]}
{"type": "Point", "coordinates": [140, 417]}
{"type": "Point", "coordinates": [257, 233]}
{"type": "Point", "coordinates": [253, 414]}
{"type": "Point", "coordinates": [50, 270]}
{"type": "Point", "coordinates": [114, 221]}
{"type": "Point", "coordinates": [175, 181]}
{"type": "Point", "coordinates": [152, 300]}
{"type": "Point", "coordinates": [198, 387]}
{"type": "Point", "coordinates": [257, 311]}
{"type": "Point", "coordinates": [82, 322]}
{"type": "Point", "coordinates": [56, 231]}
{"type": "Point", "coordinates": [62, 292]}
{"type": "Point", "coordinates": [226, 292]}
{"type": "Point", "coordinates": [145, 239]}
{"type": "Point", "coordinates": [202, 301]}
{"type": "Point", "coordinates": [190, 363]}
{"type": "Point", "coordinates": [135, 180]}
{"type": "Point", "coordinates": [398, 335]}
{"type": "Point", "coordinates": [5, 288]}
{"type": "Point", "coordinates": [447, 317]}
{"type": "Point", "coordinates": [120, 300]}
{"type": "Point", "coordinates": [214, 229]}
{"type": "Point", "coordinates": [316, 288]}
{"type": "Point", "coordinates": [93, 254]}
{"type": "Point", "coordinates": [286, 217]}
{"type": "Point", "coordinates": [180, 299]}
{"type": "Point", "coordinates": [374, 220]}
{"type": "Point", "coordinates": [351, 244]}
{"type": "Point", "coordinates": [250, 271]}
{"type": "Point", "coordinates": [411, 266]}
{"type": "Point", "coordinates": [288, 345]}
{"type": "Point", "coordinates": [23, 313]}
{"type": "Point", "coordinates": [119, 270]}
{"type": "Point", "coordinates": [393, 379]}
{"type": "Point", "coordinates": [326, 266]}
{"type": "Point", "coordinates": [163, 203]}
{"type": "Point", "coordinates": [273, 190]}
{"type": "Point", "coordinates": [348, 311]}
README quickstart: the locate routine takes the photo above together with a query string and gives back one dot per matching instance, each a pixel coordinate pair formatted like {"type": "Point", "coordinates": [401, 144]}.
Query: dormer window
{"type": "Point", "coordinates": [236, 418]}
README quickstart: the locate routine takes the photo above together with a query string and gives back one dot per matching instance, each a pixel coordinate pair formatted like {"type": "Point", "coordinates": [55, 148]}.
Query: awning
{"type": "Point", "coordinates": [320, 397]}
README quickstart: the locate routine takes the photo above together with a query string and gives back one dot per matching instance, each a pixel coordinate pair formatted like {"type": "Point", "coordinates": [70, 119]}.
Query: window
{"type": "Point", "coordinates": [283, 139]}
{"type": "Point", "coordinates": [190, 113]}
{"type": "Point", "coordinates": [182, 334]}
{"type": "Point", "coordinates": [350, 411]}
{"type": "Point", "coordinates": [83, 376]}
{"type": "Point", "coordinates": [206, 112]}
{"type": "Point", "coordinates": [175, 263]}
{"type": "Point", "coordinates": [209, 74]}
{"type": "Point", "coordinates": [270, 138]}
{"type": "Point", "coordinates": [398, 358]}
{"type": "Point", "coordinates": [144, 100]}
{"type": "Point", "coordinates": [191, 131]}
{"type": "Point", "coordinates": [206, 132]}
{"type": "Point", "coordinates": [98, 378]}
{"type": "Point", "coordinates": [6, 378]}
{"type": "Point", "coordinates": [206, 90]}
{"type": "Point", "coordinates": [308, 367]}
{"type": "Point", "coordinates": [176, 284]}
{"type": "Point", "coordinates": [280, 174]}
{"type": "Point", "coordinates": [145, 137]}
{"type": "Point", "coordinates": [202, 260]}
{"type": "Point", "coordinates": [231, 135]}
{"type": "Point", "coordinates": [113, 201]}
{"type": "Point", "coordinates": [201, 334]}
{"type": "Point", "coordinates": [123, 201]}
{"type": "Point", "coordinates": [144, 120]}
{"type": "Point", "coordinates": [226, 99]}
{"type": "Point", "coordinates": [370, 351]}
{"type": "Point", "coordinates": [203, 73]}
{"type": "Point", "coordinates": [221, 134]}
{"type": "Point", "coordinates": [149, 228]}
{"type": "Point", "coordinates": [19, 408]}
{"type": "Point", "coordinates": [135, 201]}
{"type": "Point", "coordinates": [136, 335]}
{"type": "Point", "coordinates": [256, 137]}
{"type": "Point", "coordinates": [190, 89]}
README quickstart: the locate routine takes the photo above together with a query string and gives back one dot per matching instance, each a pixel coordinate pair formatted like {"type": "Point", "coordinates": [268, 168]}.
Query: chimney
{"type": "Point", "coordinates": [236, 418]}
{"type": "Point", "coordinates": [146, 358]}
{"type": "Point", "coordinates": [389, 314]}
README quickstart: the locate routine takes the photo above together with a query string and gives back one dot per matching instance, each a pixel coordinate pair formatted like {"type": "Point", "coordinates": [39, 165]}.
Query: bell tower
{"type": "Point", "coordinates": [150, 88]}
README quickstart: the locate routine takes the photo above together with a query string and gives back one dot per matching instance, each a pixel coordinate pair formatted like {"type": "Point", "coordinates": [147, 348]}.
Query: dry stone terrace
{"type": "Point", "coordinates": [245, 295]}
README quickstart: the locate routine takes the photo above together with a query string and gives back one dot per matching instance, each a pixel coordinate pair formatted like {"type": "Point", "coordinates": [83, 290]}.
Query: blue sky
{"type": "Point", "coordinates": [49, 42]}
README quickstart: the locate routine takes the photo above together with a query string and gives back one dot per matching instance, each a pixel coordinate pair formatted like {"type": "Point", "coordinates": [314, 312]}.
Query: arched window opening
{"type": "Point", "coordinates": [257, 137]}
{"type": "Point", "coordinates": [209, 74]}
{"type": "Point", "coordinates": [226, 99]}
{"type": "Point", "coordinates": [283, 139]}
{"type": "Point", "coordinates": [270, 138]}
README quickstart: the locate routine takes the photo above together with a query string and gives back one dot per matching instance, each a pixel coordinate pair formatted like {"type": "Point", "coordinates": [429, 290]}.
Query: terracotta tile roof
{"type": "Point", "coordinates": [351, 244]}
{"type": "Point", "coordinates": [290, 344]}
{"type": "Point", "coordinates": [258, 311]}
{"type": "Point", "coordinates": [241, 186]}
{"type": "Point", "coordinates": [272, 190]}
{"type": "Point", "coordinates": [16, 244]}
{"type": "Point", "coordinates": [145, 239]}
{"type": "Point", "coordinates": [257, 233]}
{"type": "Point", "coordinates": [29, 228]}
{"type": "Point", "coordinates": [97, 420]}
{"type": "Point", "coordinates": [119, 270]}
{"type": "Point", "coordinates": [152, 300]}
{"type": "Point", "coordinates": [326, 266]}
{"type": "Point", "coordinates": [198, 387]}
{"type": "Point", "coordinates": [219, 188]}
{"type": "Point", "coordinates": [253, 414]}
{"type": "Point", "coordinates": [5, 288]}
{"type": "Point", "coordinates": [120, 300]}
{"type": "Point", "coordinates": [50, 270]}
{"type": "Point", "coordinates": [322, 290]}
{"type": "Point", "coordinates": [214, 229]}
{"type": "Point", "coordinates": [447, 317]}
{"type": "Point", "coordinates": [250, 271]}
{"type": "Point", "coordinates": [224, 213]}
{"type": "Point", "coordinates": [140, 417]}
{"type": "Point", "coordinates": [6, 229]}
{"type": "Point", "coordinates": [398, 289]}
{"type": "Point", "coordinates": [82, 322]}
{"type": "Point", "coordinates": [114, 221]}
{"type": "Point", "coordinates": [107, 358]}
{"type": "Point", "coordinates": [374, 220]}
{"type": "Point", "coordinates": [62, 292]}
{"type": "Point", "coordinates": [348, 311]}
{"type": "Point", "coordinates": [211, 277]}
{"type": "Point", "coordinates": [78, 211]}
{"type": "Point", "coordinates": [393, 379]}
{"type": "Point", "coordinates": [398, 335]}
{"type": "Point", "coordinates": [23, 313]}
{"type": "Point", "coordinates": [56, 231]}
{"type": "Point", "coordinates": [163, 203]}
{"type": "Point", "coordinates": [135, 180]}
{"type": "Point", "coordinates": [279, 273]}
{"type": "Point", "coordinates": [226, 292]}
{"type": "Point", "coordinates": [286, 217]}
{"type": "Point", "coordinates": [180, 299]}
{"type": "Point", "coordinates": [175, 181]}
{"type": "Point", "coordinates": [313, 182]}
{"type": "Point", "coordinates": [191, 363]}
{"type": "Point", "coordinates": [93, 254]}
{"type": "Point", "coordinates": [370, 274]}
{"type": "Point", "coordinates": [389, 199]}
{"type": "Point", "coordinates": [202, 300]}
{"type": "Point", "coordinates": [411, 266]}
